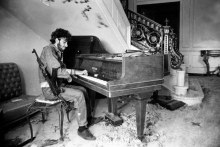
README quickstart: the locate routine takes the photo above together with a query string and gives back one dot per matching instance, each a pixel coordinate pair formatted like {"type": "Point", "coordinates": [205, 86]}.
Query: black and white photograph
{"type": "Point", "coordinates": [110, 73]}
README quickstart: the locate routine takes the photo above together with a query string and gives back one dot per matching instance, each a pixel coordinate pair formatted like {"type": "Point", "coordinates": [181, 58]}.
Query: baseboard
{"type": "Point", "coordinates": [196, 74]}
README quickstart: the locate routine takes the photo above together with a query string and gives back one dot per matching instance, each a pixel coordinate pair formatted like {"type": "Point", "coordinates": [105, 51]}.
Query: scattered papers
{"type": "Point", "coordinates": [16, 100]}
{"type": "Point", "coordinates": [48, 101]}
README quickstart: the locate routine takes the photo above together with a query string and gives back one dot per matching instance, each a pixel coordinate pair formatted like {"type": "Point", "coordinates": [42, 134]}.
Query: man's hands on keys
{"type": "Point", "coordinates": [80, 72]}
{"type": "Point", "coordinates": [77, 72]}
{"type": "Point", "coordinates": [83, 72]}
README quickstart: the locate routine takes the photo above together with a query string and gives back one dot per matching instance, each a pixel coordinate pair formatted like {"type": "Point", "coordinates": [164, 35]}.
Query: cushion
{"type": "Point", "coordinates": [10, 81]}
{"type": "Point", "coordinates": [15, 108]}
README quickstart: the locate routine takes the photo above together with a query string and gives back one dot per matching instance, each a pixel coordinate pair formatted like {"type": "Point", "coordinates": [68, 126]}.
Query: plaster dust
{"type": "Point", "coordinates": [188, 126]}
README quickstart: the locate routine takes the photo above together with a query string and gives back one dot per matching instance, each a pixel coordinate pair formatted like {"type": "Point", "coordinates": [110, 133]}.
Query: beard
{"type": "Point", "coordinates": [60, 47]}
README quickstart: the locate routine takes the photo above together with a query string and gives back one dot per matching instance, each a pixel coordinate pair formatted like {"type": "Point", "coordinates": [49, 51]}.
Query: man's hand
{"type": "Point", "coordinates": [77, 72]}
{"type": "Point", "coordinates": [84, 72]}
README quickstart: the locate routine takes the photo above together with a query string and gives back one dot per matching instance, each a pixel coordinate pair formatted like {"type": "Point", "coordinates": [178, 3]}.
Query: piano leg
{"type": "Point", "coordinates": [112, 105]}
{"type": "Point", "coordinates": [140, 115]}
{"type": "Point", "coordinates": [92, 99]}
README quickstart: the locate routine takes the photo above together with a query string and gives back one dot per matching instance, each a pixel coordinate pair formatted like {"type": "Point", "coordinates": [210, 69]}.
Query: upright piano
{"type": "Point", "coordinates": [114, 75]}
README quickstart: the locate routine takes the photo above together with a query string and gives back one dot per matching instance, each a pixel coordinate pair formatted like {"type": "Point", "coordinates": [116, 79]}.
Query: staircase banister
{"type": "Point", "coordinates": [144, 17]}
{"type": "Point", "coordinates": [154, 38]}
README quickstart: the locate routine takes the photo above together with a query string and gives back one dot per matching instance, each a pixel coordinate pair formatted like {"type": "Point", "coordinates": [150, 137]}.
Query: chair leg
{"type": "Point", "coordinates": [29, 122]}
{"type": "Point", "coordinates": [67, 115]}
{"type": "Point", "coordinates": [30, 126]}
{"type": "Point", "coordinates": [61, 122]}
{"type": "Point", "coordinates": [43, 113]}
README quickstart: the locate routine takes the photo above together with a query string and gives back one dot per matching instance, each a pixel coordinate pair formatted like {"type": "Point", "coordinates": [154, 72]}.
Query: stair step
{"type": "Point", "coordinates": [194, 93]}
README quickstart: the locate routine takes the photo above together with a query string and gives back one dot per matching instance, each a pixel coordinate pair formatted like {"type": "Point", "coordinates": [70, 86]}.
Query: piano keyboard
{"type": "Point", "coordinates": [94, 79]}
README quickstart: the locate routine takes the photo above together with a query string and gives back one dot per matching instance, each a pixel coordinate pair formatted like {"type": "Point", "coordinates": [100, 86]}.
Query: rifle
{"type": "Point", "coordinates": [53, 86]}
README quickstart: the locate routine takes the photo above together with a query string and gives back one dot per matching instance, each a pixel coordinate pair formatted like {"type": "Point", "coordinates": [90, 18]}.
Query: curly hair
{"type": "Point", "coordinates": [60, 33]}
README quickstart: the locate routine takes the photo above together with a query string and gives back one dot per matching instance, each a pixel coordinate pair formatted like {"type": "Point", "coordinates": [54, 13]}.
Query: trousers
{"type": "Point", "coordinates": [78, 96]}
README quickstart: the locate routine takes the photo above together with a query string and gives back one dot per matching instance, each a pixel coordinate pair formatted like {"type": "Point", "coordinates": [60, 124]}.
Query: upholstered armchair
{"type": "Point", "coordinates": [13, 102]}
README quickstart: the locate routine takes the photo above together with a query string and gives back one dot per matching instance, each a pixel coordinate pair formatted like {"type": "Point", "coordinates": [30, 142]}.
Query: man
{"type": "Point", "coordinates": [51, 56]}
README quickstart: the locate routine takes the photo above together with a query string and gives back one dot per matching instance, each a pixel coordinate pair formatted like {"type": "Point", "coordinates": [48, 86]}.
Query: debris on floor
{"type": "Point", "coordinates": [191, 126]}
{"type": "Point", "coordinates": [167, 102]}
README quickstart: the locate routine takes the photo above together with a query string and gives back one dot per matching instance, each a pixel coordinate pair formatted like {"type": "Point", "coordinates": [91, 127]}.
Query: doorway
{"type": "Point", "coordinates": [160, 12]}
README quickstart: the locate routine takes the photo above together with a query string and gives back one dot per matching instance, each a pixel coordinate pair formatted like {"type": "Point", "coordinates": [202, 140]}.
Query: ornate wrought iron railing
{"type": "Point", "coordinates": [152, 37]}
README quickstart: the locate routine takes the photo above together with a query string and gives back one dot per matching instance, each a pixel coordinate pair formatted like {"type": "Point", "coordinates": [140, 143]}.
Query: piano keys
{"type": "Point", "coordinates": [115, 75]}
{"type": "Point", "coordinates": [93, 79]}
